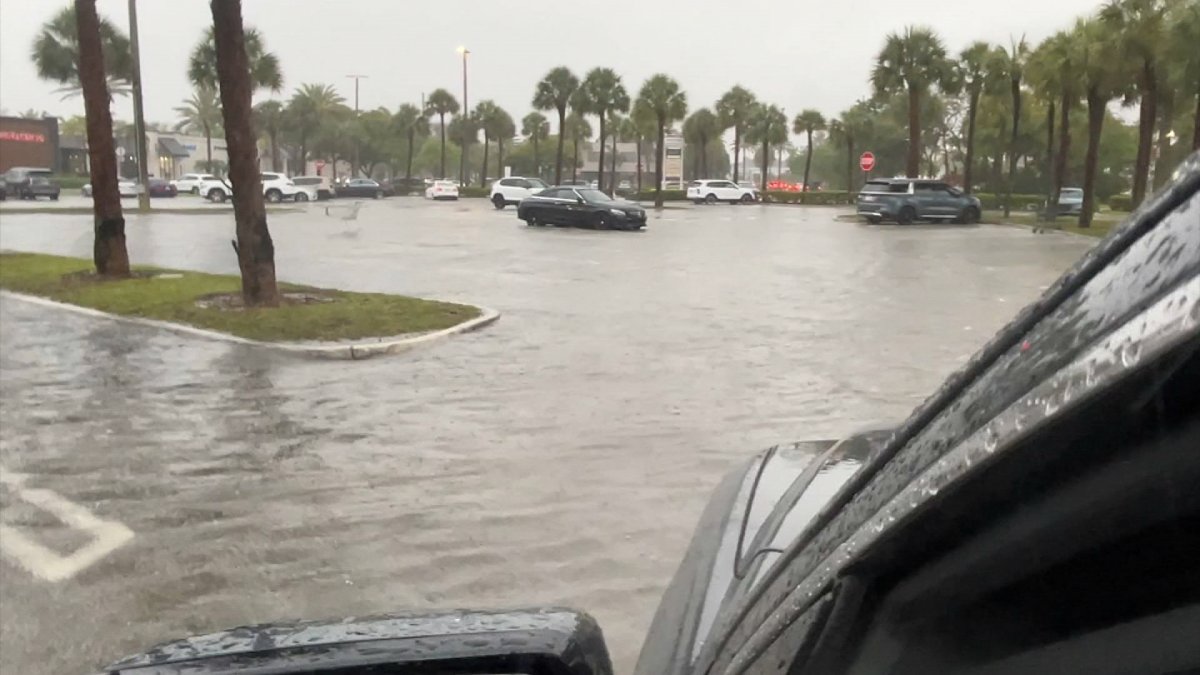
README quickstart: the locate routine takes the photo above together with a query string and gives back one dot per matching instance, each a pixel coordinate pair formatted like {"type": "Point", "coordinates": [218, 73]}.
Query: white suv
{"type": "Point", "coordinates": [190, 182]}
{"type": "Point", "coordinates": [276, 188]}
{"type": "Point", "coordinates": [513, 189]}
{"type": "Point", "coordinates": [713, 191]}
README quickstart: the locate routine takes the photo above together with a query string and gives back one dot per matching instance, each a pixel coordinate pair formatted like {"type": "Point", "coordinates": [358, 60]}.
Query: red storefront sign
{"type": "Point", "coordinates": [22, 137]}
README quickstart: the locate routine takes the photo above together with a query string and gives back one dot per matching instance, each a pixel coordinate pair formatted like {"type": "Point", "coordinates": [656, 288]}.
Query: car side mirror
{"type": "Point", "coordinates": [550, 640]}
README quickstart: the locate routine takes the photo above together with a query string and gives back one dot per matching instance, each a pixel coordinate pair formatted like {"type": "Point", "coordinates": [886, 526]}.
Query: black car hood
{"type": "Point", "coordinates": [625, 205]}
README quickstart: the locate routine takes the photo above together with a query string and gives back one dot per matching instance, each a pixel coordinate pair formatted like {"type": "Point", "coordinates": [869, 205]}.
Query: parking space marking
{"type": "Point", "coordinates": [43, 563]}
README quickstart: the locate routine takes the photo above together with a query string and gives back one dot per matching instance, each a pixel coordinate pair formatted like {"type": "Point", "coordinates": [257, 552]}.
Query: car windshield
{"type": "Point", "coordinates": [437, 379]}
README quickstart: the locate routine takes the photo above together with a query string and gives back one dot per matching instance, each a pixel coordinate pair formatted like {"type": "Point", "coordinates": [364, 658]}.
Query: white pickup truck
{"type": "Point", "coordinates": [276, 188]}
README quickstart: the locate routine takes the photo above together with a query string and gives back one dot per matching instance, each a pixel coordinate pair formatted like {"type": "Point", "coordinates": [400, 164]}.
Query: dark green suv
{"type": "Point", "coordinates": [906, 200]}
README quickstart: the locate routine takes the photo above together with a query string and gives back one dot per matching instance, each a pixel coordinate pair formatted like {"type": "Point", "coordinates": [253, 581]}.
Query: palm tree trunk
{"type": "Point", "coordinates": [1096, 106]}
{"type": "Point", "coordinates": [737, 147]}
{"type": "Point", "coordinates": [1166, 114]}
{"type": "Point", "coordinates": [1196, 125]}
{"type": "Point", "coordinates": [1015, 84]}
{"type": "Point", "coordinates": [766, 164]}
{"type": "Point", "coordinates": [969, 161]}
{"type": "Point", "coordinates": [499, 156]}
{"type": "Point", "coordinates": [1048, 169]}
{"type": "Point", "coordinates": [537, 164]}
{"type": "Point", "coordinates": [612, 165]}
{"type": "Point", "coordinates": [913, 165]}
{"type": "Point", "coordinates": [483, 172]}
{"type": "Point", "coordinates": [1147, 114]}
{"type": "Point", "coordinates": [639, 162]}
{"type": "Point", "coordinates": [703, 157]}
{"type": "Point", "coordinates": [562, 123]}
{"type": "Point", "coordinates": [442, 124]}
{"type": "Point", "coordinates": [658, 163]}
{"type": "Point", "coordinates": [600, 166]}
{"type": "Point", "coordinates": [1064, 147]}
{"type": "Point", "coordinates": [108, 248]}
{"type": "Point", "coordinates": [807, 166]}
{"type": "Point", "coordinates": [255, 250]}
{"type": "Point", "coordinates": [575, 159]}
{"type": "Point", "coordinates": [208, 149]}
{"type": "Point", "coordinates": [303, 153]}
{"type": "Point", "coordinates": [412, 133]}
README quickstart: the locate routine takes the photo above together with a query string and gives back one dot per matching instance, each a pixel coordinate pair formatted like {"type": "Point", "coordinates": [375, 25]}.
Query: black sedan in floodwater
{"type": "Point", "coordinates": [571, 206]}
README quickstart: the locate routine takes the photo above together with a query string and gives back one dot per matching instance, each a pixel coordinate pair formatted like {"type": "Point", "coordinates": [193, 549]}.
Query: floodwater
{"type": "Point", "coordinates": [560, 456]}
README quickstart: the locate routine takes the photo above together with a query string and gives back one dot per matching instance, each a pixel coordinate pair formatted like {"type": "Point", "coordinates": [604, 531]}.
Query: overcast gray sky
{"type": "Point", "coordinates": [794, 54]}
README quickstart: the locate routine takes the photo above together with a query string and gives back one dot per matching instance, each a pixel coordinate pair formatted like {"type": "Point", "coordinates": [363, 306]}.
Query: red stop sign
{"type": "Point", "coordinates": [867, 161]}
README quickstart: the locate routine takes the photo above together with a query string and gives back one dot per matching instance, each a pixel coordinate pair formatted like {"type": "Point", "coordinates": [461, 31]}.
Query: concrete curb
{"type": "Point", "coordinates": [336, 350]}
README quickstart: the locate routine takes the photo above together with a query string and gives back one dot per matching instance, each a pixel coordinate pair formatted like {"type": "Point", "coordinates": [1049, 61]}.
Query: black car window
{"type": "Point", "coordinates": [594, 196]}
{"type": "Point", "coordinates": [508, 182]}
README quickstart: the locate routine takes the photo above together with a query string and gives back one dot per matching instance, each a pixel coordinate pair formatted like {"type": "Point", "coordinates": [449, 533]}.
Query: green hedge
{"type": "Point", "coordinates": [1121, 202]}
{"type": "Point", "coordinates": [1020, 202]}
{"type": "Point", "coordinates": [820, 197]}
{"type": "Point", "coordinates": [668, 195]}
{"type": "Point", "coordinates": [70, 182]}
{"type": "Point", "coordinates": [474, 192]}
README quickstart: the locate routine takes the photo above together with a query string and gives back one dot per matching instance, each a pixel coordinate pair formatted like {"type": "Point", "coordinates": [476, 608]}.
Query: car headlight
{"type": "Point", "coordinates": [616, 212]}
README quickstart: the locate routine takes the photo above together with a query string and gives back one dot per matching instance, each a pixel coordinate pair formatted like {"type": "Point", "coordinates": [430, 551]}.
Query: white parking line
{"type": "Point", "coordinates": [43, 563]}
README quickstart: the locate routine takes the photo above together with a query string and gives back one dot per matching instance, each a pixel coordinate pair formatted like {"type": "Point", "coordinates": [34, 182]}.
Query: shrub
{"type": "Point", "coordinates": [70, 182]}
{"type": "Point", "coordinates": [819, 197]}
{"type": "Point", "coordinates": [647, 195]}
{"type": "Point", "coordinates": [1123, 202]}
{"type": "Point", "coordinates": [471, 192]}
{"type": "Point", "coordinates": [1020, 202]}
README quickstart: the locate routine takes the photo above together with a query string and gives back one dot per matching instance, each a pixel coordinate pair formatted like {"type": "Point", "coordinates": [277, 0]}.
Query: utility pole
{"type": "Point", "coordinates": [356, 78]}
{"type": "Point", "coordinates": [139, 119]}
{"type": "Point", "coordinates": [466, 111]}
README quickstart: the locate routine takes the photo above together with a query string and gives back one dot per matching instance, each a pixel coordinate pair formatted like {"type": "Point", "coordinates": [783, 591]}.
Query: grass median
{"type": "Point", "coordinates": [197, 299]}
{"type": "Point", "coordinates": [1102, 222]}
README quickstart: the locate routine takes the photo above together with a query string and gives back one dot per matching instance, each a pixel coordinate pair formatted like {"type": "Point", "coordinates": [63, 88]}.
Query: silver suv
{"type": "Point", "coordinates": [906, 200]}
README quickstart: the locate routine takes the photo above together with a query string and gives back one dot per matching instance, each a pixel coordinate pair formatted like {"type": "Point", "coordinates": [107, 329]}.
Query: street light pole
{"type": "Point", "coordinates": [356, 78]}
{"type": "Point", "coordinates": [466, 109]}
{"type": "Point", "coordinates": [139, 119]}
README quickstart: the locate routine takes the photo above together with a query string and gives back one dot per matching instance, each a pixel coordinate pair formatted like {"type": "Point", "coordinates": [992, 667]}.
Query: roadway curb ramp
{"type": "Point", "coordinates": [354, 350]}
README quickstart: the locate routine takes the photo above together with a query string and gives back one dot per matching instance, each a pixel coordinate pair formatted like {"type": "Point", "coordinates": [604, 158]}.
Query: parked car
{"type": "Point", "coordinates": [713, 191]}
{"type": "Point", "coordinates": [580, 207]}
{"type": "Point", "coordinates": [276, 188]}
{"type": "Point", "coordinates": [126, 188]}
{"type": "Point", "coordinates": [25, 182]}
{"type": "Point", "coordinates": [360, 187]}
{"type": "Point", "coordinates": [160, 187]}
{"type": "Point", "coordinates": [1070, 201]}
{"type": "Point", "coordinates": [1036, 514]}
{"type": "Point", "coordinates": [190, 182]}
{"type": "Point", "coordinates": [322, 185]}
{"type": "Point", "coordinates": [906, 200]}
{"type": "Point", "coordinates": [513, 189]}
{"type": "Point", "coordinates": [442, 189]}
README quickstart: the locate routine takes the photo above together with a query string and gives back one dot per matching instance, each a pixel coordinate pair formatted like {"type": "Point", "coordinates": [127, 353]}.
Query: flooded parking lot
{"type": "Point", "coordinates": [560, 456]}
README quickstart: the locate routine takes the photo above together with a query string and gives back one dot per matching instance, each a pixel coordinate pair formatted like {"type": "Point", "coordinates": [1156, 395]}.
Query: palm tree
{"type": "Point", "coordinates": [577, 129]}
{"type": "Point", "coordinates": [255, 250]}
{"type": "Point", "coordinates": [108, 249]}
{"type": "Point", "coordinates": [1140, 30]}
{"type": "Point", "coordinates": [662, 97]}
{"type": "Point", "coordinates": [912, 62]}
{"type": "Point", "coordinates": [617, 127]}
{"type": "Point", "coordinates": [56, 55]}
{"type": "Point", "coordinates": [806, 123]}
{"type": "Point", "coordinates": [698, 129]}
{"type": "Point", "coordinates": [972, 77]}
{"type": "Point", "coordinates": [264, 65]}
{"type": "Point", "coordinates": [733, 111]}
{"type": "Point", "coordinates": [600, 93]}
{"type": "Point", "coordinates": [413, 123]}
{"type": "Point", "coordinates": [768, 126]}
{"type": "Point", "coordinates": [853, 124]}
{"type": "Point", "coordinates": [442, 103]}
{"type": "Point", "coordinates": [309, 108]}
{"type": "Point", "coordinates": [536, 129]}
{"type": "Point", "coordinates": [644, 126]}
{"type": "Point", "coordinates": [1102, 81]}
{"type": "Point", "coordinates": [1008, 65]}
{"type": "Point", "coordinates": [554, 92]}
{"type": "Point", "coordinates": [489, 115]}
{"type": "Point", "coordinates": [201, 114]}
{"type": "Point", "coordinates": [268, 117]}
{"type": "Point", "coordinates": [501, 127]}
{"type": "Point", "coordinates": [1053, 76]}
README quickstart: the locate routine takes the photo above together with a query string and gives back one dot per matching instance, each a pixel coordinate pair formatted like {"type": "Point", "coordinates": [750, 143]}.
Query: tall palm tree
{"type": "Point", "coordinates": [201, 114]}
{"type": "Point", "coordinates": [644, 126]}
{"type": "Point", "coordinates": [912, 62]}
{"type": "Point", "coordinates": [1052, 74]}
{"type": "Point", "coordinates": [1009, 65]}
{"type": "Point", "coordinates": [268, 118]}
{"type": "Point", "coordinates": [487, 113]}
{"type": "Point", "coordinates": [972, 77]}
{"type": "Point", "coordinates": [55, 54]}
{"type": "Point", "coordinates": [535, 128]}
{"type": "Point", "coordinates": [554, 92]}
{"type": "Point", "coordinates": [767, 126]}
{"type": "Point", "coordinates": [698, 129]}
{"type": "Point", "coordinates": [442, 103]}
{"type": "Point", "coordinates": [733, 112]}
{"type": "Point", "coordinates": [412, 123]}
{"type": "Point", "coordinates": [806, 123]}
{"type": "Point", "coordinates": [576, 129]}
{"type": "Point", "coordinates": [255, 250]}
{"type": "Point", "coordinates": [108, 248]}
{"type": "Point", "coordinates": [617, 131]}
{"type": "Point", "coordinates": [502, 128]}
{"type": "Point", "coordinates": [663, 98]}
{"type": "Point", "coordinates": [600, 93]}
{"type": "Point", "coordinates": [264, 65]}
{"type": "Point", "coordinates": [1140, 29]}
{"type": "Point", "coordinates": [1102, 80]}
{"type": "Point", "coordinates": [310, 107]}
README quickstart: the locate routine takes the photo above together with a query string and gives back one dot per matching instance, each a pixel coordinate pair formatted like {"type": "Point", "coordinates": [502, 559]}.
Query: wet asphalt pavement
{"type": "Point", "coordinates": [559, 456]}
